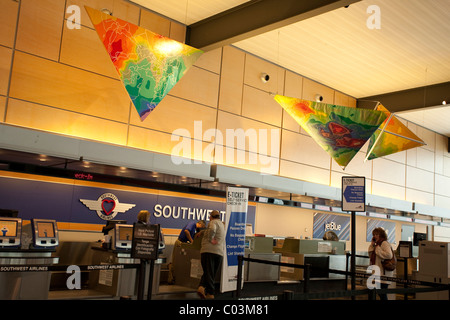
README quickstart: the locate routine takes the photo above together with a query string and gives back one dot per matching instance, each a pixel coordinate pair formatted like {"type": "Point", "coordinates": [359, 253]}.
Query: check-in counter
{"type": "Point", "coordinates": [117, 283]}
{"type": "Point", "coordinates": [120, 282]}
{"type": "Point", "coordinates": [186, 263]}
{"type": "Point", "coordinates": [261, 248]}
{"type": "Point", "coordinates": [187, 269]}
{"type": "Point", "coordinates": [24, 274]}
{"type": "Point", "coordinates": [26, 253]}
{"type": "Point", "coordinates": [320, 254]}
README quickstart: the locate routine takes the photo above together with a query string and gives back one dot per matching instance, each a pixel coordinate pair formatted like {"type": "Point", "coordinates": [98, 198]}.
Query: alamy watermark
{"type": "Point", "coordinates": [74, 20]}
{"type": "Point", "coordinates": [74, 280]}
{"type": "Point", "coordinates": [373, 282]}
{"type": "Point", "coordinates": [260, 147]}
{"type": "Point", "coordinates": [374, 20]}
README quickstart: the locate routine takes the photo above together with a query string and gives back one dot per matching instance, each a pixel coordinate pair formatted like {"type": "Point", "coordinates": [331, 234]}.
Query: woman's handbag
{"type": "Point", "coordinates": [390, 264]}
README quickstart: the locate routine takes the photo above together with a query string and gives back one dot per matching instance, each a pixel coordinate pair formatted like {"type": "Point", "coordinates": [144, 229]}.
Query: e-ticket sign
{"type": "Point", "coordinates": [235, 227]}
{"type": "Point", "coordinates": [354, 194]}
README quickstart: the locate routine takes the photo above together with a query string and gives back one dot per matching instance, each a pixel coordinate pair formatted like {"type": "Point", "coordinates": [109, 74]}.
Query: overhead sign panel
{"type": "Point", "coordinates": [354, 194]}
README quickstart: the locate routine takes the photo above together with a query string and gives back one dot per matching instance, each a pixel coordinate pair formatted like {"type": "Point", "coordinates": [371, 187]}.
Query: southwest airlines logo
{"type": "Point", "coordinates": [107, 206]}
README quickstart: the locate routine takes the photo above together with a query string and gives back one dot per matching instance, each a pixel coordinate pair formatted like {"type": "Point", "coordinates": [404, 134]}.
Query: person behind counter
{"type": "Point", "coordinates": [143, 217]}
{"type": "Point", "coordinates": [211, 254]}
{"type": "Point", "coordinates": [380, 249]}
{"type": "Point", "coordinates": [187, 234]}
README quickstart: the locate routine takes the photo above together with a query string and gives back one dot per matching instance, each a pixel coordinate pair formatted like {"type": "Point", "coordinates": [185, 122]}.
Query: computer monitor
{"type": "Point", "coordinates": [417, 237]}
{"type": "Point", "coordinates": [123, 236]}
{"type": "Point", "coordinates": [10, 232]}
{"type": "Point", "coordinates": [110, 225]}
{"type": "Point", "coordinates": [45, 233]}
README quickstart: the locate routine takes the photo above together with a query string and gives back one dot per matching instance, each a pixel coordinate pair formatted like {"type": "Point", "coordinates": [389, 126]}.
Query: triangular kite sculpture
{"type": "Point", "coordinates": [340, 131]}
{"type": "Point", "coordinates": [391, 137]}
{"type": "Point", "coordinates": [148, 64]}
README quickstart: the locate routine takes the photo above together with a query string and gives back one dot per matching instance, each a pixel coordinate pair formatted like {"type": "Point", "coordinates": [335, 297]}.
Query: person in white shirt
{"type": "Point", "coordinates": [212, 251]}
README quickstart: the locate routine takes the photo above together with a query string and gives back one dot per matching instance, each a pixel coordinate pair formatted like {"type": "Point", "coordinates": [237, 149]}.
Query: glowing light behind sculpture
{"type": "Point", "coordinates": [148, 64]}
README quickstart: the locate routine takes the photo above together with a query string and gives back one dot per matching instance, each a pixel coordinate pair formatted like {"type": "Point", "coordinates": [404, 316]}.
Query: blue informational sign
{"type": "Point", "coordinates": [235, 226]}
{"type": "Point", "coordinates": [354, 194]}
{"type": "Point", "coordinates": [235, 238]}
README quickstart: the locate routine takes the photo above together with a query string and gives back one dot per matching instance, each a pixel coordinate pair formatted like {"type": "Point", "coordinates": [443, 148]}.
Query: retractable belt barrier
{"type": "Point", "coordinates": [349, 273]}
{"type": "Point", "coordinates": [43, 268]}
{"type": "Point", "coordinates": [322, 295]}
{"type": "Point", "coordinates": [305, 295]}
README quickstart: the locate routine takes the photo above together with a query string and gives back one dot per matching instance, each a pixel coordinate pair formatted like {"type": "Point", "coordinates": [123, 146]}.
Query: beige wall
{"type": "Point", "coordinates": [60, 80]}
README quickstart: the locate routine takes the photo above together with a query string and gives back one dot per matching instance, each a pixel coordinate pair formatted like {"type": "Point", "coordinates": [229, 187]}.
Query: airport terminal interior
{"type": "Point", "coordinates": [316, 129]}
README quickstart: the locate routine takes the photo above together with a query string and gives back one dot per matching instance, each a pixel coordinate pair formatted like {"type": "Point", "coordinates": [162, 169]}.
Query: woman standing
{"type": "Point", "coordinates": [380, 249]}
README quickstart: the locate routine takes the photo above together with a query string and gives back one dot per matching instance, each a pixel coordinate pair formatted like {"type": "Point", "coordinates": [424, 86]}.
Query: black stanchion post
{"type": "Point", "coordinates": [288, 295]}
{"type": "Point", "coordinates": [372, 294]}
{"type": "Point", "coordinates": [449, 292]}
{"type": "Point", "coordinates": [353, 256]}
{"type": "Point", "coordinates": [347, 255]}
{"type": "Point", "coordinates": [239, 276]}
{"type": "Point", "coordinates": [405, 270]}
{"type": "Point", "coordinates": [141, 280]}
{"type": "Point", "coordinates": [307, 273]}
{"type": "Point", "coordinates": [150, 280]}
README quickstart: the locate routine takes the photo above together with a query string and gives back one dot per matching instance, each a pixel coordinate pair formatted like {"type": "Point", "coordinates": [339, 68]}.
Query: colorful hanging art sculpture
{"type": "Point", "coordinates": [391, 137]}
{"type": "Point", "coordinates": [148, 64]}
{"type": "Point", "coordinates": [340, 131]}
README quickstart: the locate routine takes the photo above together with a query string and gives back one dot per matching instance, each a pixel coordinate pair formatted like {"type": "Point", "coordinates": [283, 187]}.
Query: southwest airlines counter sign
{"type": "Point", "coordinates": [235, 223]}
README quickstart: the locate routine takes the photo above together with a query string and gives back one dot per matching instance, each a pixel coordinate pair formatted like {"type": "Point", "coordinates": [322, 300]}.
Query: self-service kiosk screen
{"type": "Point", "coordinates": [45, 230]}
{"type": "Point", "coordinates": [8, 228]}
{"type": "Point", "coordinates": [125, 233]}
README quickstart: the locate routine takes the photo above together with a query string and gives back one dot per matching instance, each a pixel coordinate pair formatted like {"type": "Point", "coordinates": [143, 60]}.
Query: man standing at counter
{"type": "Point", "coordinates": [188, 232]}
{"type": "Point", "coordinates": [212, 251]}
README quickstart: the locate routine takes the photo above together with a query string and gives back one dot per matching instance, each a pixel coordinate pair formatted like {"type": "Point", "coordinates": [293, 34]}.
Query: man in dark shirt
{"type": "Point", "coordinates": [188, 232]}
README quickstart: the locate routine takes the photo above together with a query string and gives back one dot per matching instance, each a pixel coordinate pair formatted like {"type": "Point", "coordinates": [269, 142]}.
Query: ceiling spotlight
{"type": "Point", "coordinates": [318, 98]}
{"type": "Point", "coordinates": [444, 102]}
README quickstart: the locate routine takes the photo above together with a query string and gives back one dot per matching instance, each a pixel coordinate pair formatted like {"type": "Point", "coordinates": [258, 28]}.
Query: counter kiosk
{"type": "Point", "coordinates": [117, 250]}
{"type": "Point", "coordinates": [320, 254]}
{"type": "Point", "coordinates": [10, 232]}
{"type": "Point", "coordinates": [26, 252]}
{"type": "Point", "coordinates": [186, 266]}
{"type": "Point", "coordinates": [434, 266]}
{"type": "Point", "coordinates": [258, 247]}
